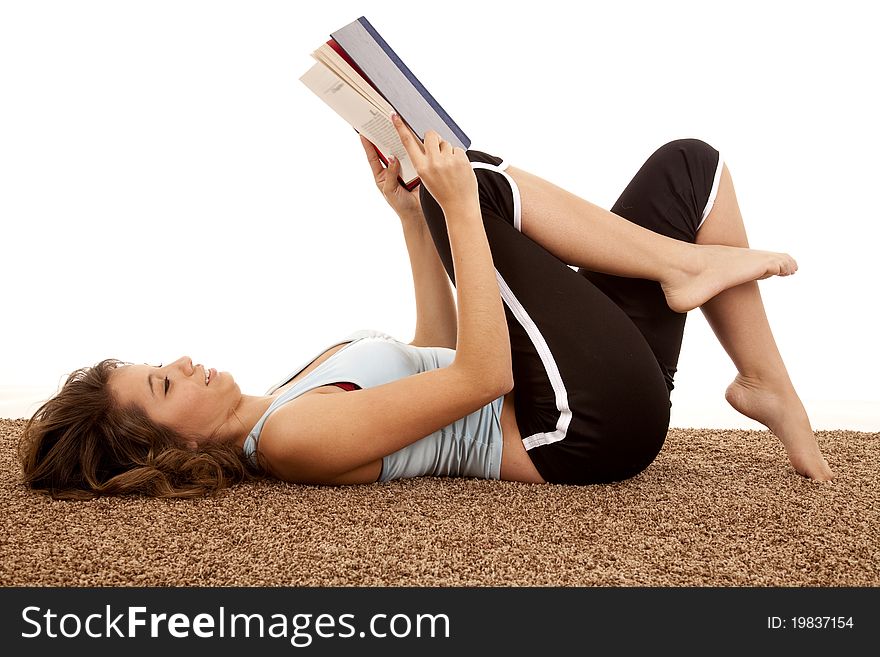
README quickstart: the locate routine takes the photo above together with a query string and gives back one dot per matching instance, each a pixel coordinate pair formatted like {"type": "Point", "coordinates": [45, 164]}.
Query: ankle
{"type": "Point", "coordinates": [678, 267]}
{"type": "Point", "coordinates": [694, 260]}
{"type": "Point", "coordinates": [775, 382]}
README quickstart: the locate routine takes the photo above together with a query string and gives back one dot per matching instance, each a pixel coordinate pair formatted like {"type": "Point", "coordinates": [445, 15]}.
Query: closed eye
{"type": "Point", "coordinates": [167, 385]}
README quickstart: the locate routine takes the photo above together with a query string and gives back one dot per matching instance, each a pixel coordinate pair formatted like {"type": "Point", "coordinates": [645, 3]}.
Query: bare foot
{"type": "Point", "coordinates": [782, 412]}
{"type": "Point", "coordinates": [714, 268]}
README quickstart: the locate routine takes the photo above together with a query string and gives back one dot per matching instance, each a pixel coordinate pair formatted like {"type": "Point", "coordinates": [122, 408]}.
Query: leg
{"type": "Point", "coordinates": [567, 226]}
{"type": "Point", "coordinates": [583, 234]}
{"type": "Point", "coordinates": [762, 390]}
{"type": "Point", "coordinates": [669, 195]}
{"type": "Point", "coordinates": [591, 403]}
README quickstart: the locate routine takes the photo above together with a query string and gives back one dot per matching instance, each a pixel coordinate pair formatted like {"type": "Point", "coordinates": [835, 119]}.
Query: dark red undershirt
{"type": "Point", "coordinates": [347, 386]}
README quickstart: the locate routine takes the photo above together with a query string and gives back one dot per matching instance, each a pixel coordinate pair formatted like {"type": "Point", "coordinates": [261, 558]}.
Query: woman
{"type": "Point", "coordinates": [543, 374]}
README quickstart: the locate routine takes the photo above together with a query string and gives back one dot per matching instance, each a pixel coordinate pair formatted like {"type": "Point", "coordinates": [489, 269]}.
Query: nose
{"type": "Point", "coordinates": [185, 364]}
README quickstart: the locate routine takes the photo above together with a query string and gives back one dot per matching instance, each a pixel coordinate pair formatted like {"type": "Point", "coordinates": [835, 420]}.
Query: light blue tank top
{"type": "Point", "coordinates": [469, 447]}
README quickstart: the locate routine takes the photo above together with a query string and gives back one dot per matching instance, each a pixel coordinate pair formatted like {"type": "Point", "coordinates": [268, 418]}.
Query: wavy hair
{"type": "Point", "coordinates": [82, 444]}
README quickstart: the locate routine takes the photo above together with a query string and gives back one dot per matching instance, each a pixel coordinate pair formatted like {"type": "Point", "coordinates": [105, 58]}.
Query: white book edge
{"type": "Point", "coordinates": [360, 113]}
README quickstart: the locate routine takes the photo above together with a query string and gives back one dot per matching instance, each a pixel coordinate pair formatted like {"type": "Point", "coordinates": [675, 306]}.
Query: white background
{"type": "Point", "coordinates": [168, 186]}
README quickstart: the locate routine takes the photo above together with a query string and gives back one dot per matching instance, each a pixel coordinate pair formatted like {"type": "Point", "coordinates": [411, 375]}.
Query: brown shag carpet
{"type": "Point", "coordinates": [717, 508]}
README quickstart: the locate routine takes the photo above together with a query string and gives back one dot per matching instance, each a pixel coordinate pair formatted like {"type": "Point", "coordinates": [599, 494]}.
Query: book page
{"type": "Point", "coordinates": [360, 113]}
{"type": "Point", "coordinates": [332, 60]}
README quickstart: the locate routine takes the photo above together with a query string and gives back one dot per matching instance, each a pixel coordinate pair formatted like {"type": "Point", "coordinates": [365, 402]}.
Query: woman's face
{"type": "Point", "coordinates": [187, 398]}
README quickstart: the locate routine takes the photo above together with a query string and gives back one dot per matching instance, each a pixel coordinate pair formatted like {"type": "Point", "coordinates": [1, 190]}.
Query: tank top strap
{"type": "Point", "coordinates": [250, 444]}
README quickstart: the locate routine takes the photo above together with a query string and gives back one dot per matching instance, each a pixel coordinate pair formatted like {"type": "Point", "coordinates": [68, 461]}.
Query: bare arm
{"type": "Point", "coordinates": [483, 343]}
{"type": "Point", "coordinates": [317, 438]}
{"type": "Point", "coordinates": [436, 315]}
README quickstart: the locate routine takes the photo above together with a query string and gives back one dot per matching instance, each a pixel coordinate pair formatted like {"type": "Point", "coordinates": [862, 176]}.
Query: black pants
{"type": "Point", "coordinates": [594, 355]}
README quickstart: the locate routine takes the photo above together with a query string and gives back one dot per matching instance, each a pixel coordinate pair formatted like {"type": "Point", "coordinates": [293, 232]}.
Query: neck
{"type": "Point", "coordinates": [247, 412]}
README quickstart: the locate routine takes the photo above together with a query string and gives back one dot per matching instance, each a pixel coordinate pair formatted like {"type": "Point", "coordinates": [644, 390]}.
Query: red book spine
{"type": "Point", "coordinates": [332, 43]}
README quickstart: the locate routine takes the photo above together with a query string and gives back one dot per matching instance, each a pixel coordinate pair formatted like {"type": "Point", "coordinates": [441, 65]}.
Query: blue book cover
{"type": "Point", "coordinates": [393, 79]}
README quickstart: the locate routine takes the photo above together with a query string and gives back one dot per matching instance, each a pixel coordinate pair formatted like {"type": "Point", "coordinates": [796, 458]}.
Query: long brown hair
{"type": "Point", "coordinates": [81, 444]}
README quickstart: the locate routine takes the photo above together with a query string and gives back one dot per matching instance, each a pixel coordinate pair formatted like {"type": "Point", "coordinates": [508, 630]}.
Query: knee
{"type": "Point", "coordinates": [689, 149]}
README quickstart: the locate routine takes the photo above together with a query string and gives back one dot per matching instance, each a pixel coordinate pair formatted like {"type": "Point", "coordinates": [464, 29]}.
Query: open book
{"type": "Point", "coordinates": [364, 81]}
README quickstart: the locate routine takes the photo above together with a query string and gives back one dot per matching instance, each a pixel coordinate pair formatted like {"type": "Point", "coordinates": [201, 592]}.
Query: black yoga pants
{"type": "Point", "coordinates": [593, 355]}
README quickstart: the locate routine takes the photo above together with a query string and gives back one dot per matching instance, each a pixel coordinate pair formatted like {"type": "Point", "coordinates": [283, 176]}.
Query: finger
{"type": "Point", "coordinates": [410, 142]}
{"type": "Point", "coordinates": [391, 178]}
{"type": "Point", "coordinates": [432, 141]}
{"type": "Point", "coordinates": [372, 156]}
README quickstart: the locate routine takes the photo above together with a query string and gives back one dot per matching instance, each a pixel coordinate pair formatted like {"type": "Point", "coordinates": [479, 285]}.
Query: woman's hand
{"type": "Point", "coordinates": [403, 202]}
{"type": "Point", "coordinates": [445, 170]}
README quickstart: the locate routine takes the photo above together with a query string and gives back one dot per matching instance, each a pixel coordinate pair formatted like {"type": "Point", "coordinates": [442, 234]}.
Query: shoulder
{"type": "Point", "coordinates": [288, 427]}
{"type": "Point", "coordinates": [285, 461]}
